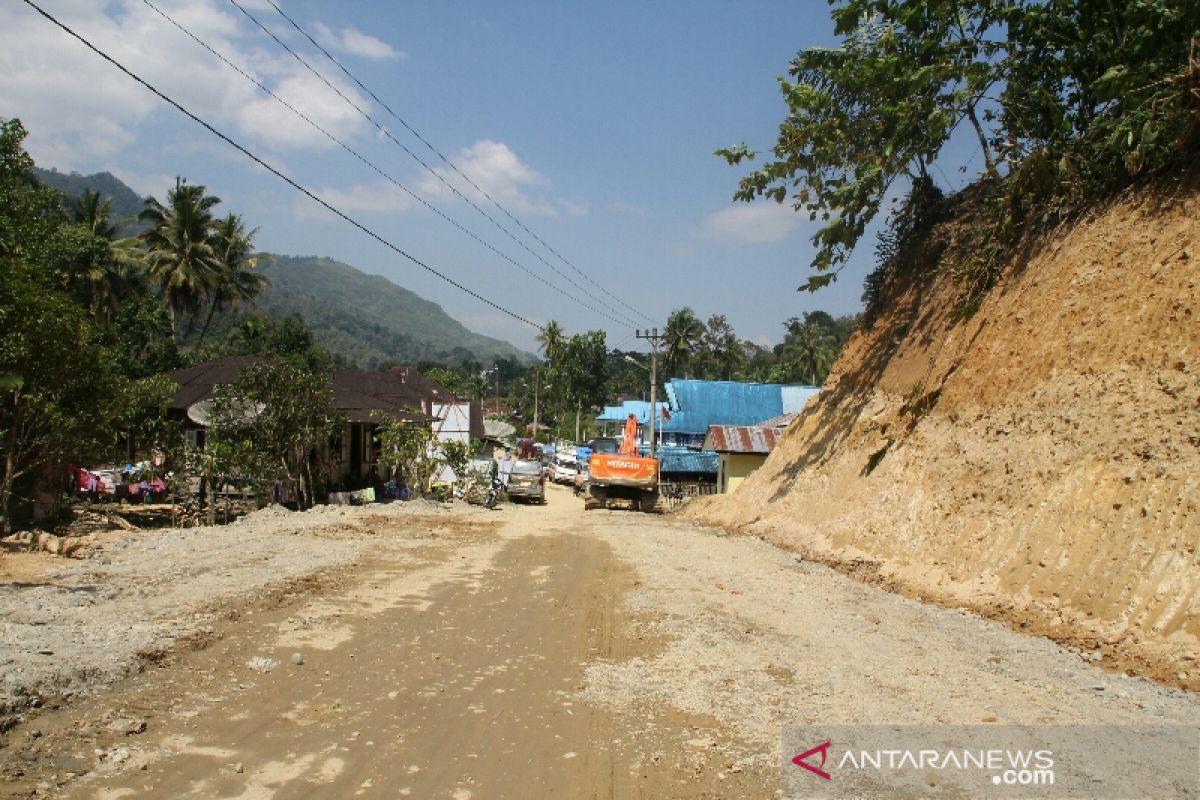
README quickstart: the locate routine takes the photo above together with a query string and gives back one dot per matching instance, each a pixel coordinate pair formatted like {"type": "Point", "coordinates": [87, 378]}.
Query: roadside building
{"type": "Point", "coordinates": [740, 450]}
{"type": "Point", "coordinates": [362, 398]}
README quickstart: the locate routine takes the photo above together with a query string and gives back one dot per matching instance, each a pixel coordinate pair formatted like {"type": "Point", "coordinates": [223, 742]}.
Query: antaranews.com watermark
{"type": "Point", "coordinates": [984, 761]}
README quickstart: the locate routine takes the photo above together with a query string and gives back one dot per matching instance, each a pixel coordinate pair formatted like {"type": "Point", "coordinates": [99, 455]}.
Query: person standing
{"type": "Point", "coordinates": [506, 468]}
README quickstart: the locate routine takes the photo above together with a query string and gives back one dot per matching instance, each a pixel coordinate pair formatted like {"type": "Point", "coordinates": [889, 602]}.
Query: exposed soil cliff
{"type": "Point", "coordinates": [1038, 461]}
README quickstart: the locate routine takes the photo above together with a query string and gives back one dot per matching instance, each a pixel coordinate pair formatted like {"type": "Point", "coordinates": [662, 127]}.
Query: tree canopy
{"type": "Point", "coordinates": [1066, 99]}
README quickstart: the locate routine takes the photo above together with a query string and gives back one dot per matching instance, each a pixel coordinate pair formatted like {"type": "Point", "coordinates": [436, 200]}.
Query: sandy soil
{"type": "Point", "coordinates": [526, 652]}
{"type": "Point", "coordinates": [1036, 462]}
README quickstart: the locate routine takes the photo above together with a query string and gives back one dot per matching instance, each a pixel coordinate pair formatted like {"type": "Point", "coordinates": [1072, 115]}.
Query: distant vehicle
{"type": "Point", "coordinates": [565, 469]}
{"type": "Point", "coordinates": [527, 481]}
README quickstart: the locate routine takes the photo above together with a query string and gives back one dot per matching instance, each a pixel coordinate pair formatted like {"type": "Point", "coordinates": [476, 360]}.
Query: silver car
{"type": "Point", "coordinates": [528, 481]}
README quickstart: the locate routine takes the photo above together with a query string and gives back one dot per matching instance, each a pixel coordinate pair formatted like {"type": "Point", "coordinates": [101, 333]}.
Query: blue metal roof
{"type": "Point", "coordinates": [695, 404]}
{"type": "Point", "coordinates": [639, 408]}
{"type": "Point", "coordinates": [683, 459]}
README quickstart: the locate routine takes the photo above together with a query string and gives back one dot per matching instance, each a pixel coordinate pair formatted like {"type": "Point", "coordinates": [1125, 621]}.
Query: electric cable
{"type": "Point", "coordinates": [448, 162]}
{"type": "Point", "coordinates": [372, 165]}
{"type": "Point", "coordinates": [273, 170]}
{"type": "Point", "coordinates": [454, 189]}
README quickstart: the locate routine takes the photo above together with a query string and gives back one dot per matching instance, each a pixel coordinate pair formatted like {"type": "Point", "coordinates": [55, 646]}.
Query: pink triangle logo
{"type": "Point", "coordinates": [823, 749]}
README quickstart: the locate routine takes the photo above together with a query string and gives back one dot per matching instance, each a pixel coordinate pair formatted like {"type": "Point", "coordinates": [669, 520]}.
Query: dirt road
{"type": "Point", "coordinates": [544, 652]}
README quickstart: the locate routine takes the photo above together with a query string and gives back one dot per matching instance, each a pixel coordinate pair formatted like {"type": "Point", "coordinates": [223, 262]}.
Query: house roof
{"type": "Point", "coordinates": [358, 395]}
{"type": "Point", "coordinates": [359, 407]}
{"type": "Point", "coordinates": [782, 421]}
{"type": "Point", "coordinates": [696, 405]}
{"type": "Point", "coordinates": [684, 459]}
{"type": "Point", "coordinates": [742, 439]}
{"type": "Point", "coordinates": [639, 408]}
{"type": "Point", "coordinates": [196, 383]}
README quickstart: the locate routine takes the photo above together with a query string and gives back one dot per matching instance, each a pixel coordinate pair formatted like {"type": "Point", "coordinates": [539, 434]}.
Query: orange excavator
{"type": "Point", "coordinates": [617, 472]}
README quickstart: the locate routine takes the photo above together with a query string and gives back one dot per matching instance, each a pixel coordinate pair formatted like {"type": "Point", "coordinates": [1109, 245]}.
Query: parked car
{"type": "Point", "coordinates": [565, 469]}
{"type": "Point", "coordinates": [527, 481]}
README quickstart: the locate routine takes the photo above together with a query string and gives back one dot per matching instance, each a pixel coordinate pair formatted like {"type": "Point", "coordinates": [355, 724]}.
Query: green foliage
{"type": "Point", "coordinates": [59, 392]}
{"type": "Point", "coordinates": [367, 318]}
{"type": "Point", "coordinates": [682, 337]}
{"type": "Point", "coordinates": [145, 420]}
{"type": "Point", "coordinates": [124, 203]}
{"type": "Point", "coordinates": [1068, 99]}
{"type": "Point", "coordinates": [275, 421]}
{"type": "Point", "coordinates": [456, 456]}
{"type": "Point", "coordinates": [180, 254]}
{"type": "Point", "coordinates": [904, 242]}
{"type": "Point", "coordinates": [579, 377]}
{"type": "Point", "coordinates": [287, 339]}
{"type": "Point", "coordinates": [139, 338]}
{"type": "Point", "coordinates": [409, 453]}
{"type": "Point", "coordinates": [446, 377]}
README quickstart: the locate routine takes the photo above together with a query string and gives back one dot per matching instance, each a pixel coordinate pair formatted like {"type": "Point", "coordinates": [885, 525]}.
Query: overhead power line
{"type": "Point", "coordinates": [372, 165]}
{"type": "Point", "coordinates": [273, 170]}
{"type": "Point", "coordinates": [450, 163]}
{"type": "Point", "coordinates": [454, 189]}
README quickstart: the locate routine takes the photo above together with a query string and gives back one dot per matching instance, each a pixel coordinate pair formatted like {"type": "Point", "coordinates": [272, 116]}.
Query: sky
{"type": "Point", "coordinates": [592, 125]}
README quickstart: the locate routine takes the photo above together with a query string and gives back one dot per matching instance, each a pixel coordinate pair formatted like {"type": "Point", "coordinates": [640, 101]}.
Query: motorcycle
{"type": "Point", "coordinates": [493, 493]}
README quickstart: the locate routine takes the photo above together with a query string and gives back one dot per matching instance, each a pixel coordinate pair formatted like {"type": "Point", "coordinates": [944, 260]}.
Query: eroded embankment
{"type": "Point", "coordinates": [1038, 462]}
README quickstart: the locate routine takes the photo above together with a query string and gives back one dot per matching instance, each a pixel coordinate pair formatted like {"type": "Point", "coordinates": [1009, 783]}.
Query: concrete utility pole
{"type": "Point", "coordinates": [654, 338]}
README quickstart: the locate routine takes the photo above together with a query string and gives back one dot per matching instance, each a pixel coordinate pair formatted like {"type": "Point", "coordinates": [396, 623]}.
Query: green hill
{"type": "Point", "coordinates": [126, 203]}
{"type": "Point", "coordinates": [366, 318]}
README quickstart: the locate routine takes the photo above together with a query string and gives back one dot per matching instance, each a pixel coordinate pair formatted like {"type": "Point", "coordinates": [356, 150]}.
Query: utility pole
{"type": "Point", "coordinates": [496, 369]}
{"type": "Point", "coordinates": [654, 338]}
{"type": "Point", "coordinates": [537, 378]}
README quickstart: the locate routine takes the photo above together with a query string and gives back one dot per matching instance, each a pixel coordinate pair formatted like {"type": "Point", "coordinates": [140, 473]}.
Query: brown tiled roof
{"type": "Point", "coordinates": [196, 382]}
{"type": "Point", "coordinates": [391, 386]}
{"type": "Point", "coordinates": [359, 407]}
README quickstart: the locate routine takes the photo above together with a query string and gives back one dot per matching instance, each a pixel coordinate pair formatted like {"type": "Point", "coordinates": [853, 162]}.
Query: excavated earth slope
{"type": "Point", "coordinates": [1037, 462]}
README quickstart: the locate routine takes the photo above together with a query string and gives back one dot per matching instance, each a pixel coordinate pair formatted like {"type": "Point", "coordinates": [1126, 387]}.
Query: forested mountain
{"type": "Point", "coordinates": [365, 318]}
{"type": "Point", "coordinates": [368, 318]}
{"type": "Point", "coordinates": [126, 203]}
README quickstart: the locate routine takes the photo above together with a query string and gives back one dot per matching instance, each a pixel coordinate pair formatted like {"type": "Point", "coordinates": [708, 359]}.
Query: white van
{"type": "Point", "coordinates": [565, 469]}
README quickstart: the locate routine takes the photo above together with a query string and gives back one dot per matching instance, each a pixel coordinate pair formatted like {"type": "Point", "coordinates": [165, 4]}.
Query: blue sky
{"type": "Point", "coordinates": [594, 124]}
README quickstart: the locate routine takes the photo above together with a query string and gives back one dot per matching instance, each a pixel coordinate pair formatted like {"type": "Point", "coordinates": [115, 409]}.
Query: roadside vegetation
{"type": "Point", "coordinates": [95, 311]}
{"type": "Point", "coordinates": [1065, 102]}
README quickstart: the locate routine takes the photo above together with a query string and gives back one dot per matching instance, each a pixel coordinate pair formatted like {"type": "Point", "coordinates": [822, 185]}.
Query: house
{"type": "Point", "coordinates": [740, 450]}
{"type": "Point", "coordinates": [694, 406]}
{"type": "Point", "coordinates": [362, 398]}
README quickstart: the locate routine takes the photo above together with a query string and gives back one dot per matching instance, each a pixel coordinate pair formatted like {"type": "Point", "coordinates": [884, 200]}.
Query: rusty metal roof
{"type": "Point", "coordinates": [741, 439]}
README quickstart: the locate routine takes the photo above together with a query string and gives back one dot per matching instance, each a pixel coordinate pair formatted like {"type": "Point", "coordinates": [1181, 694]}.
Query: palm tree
{"type": "Point", "coordinates": [179, 252]}
{"type": "Point", "coordinates": [237, 281]}
{"type": "Point", "coordinates": [551, 340]}
{"type": "Point", "coordinates": [93, 212]}
{"type": "Point", "coordinates": [683, 333]}
{"type": "Point", "coordinates": [108, 270]}
{"type": "Point", "coordinates": [809, 347]}
{"type": "Point", "coordinates": [724, 352]}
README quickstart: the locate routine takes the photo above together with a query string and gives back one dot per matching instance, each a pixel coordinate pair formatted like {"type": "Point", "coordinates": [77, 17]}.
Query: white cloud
{"type": "Point", "coordinates": [80, 110]}
{"type": "Point", "coordinates": [758, 222]}
{"type": "Point", "coordinates": [355, 42]}
{"type": "Point", "coordinates": [497, 170]}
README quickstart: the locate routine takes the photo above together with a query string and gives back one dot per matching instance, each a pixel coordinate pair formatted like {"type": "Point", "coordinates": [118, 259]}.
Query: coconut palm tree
{"type": "Point", "coordinates": [683, 333]}
{"type": "Point", "coordinates": [723, 352]}
{"type": "Point", "coordinates": [180, 257]}
{"type": "Point", "coordinates": [808, 347]}
{"type": "Point", "coordinates": [107, 270]}
{"type": "Point", "coordinates": [237, 281]}
{"type": "Point", "coordinates": [551, 340]}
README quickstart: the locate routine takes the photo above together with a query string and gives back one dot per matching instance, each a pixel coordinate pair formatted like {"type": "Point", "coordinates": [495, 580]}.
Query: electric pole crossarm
{"type": "Point", "coordinates": [654, 338]}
